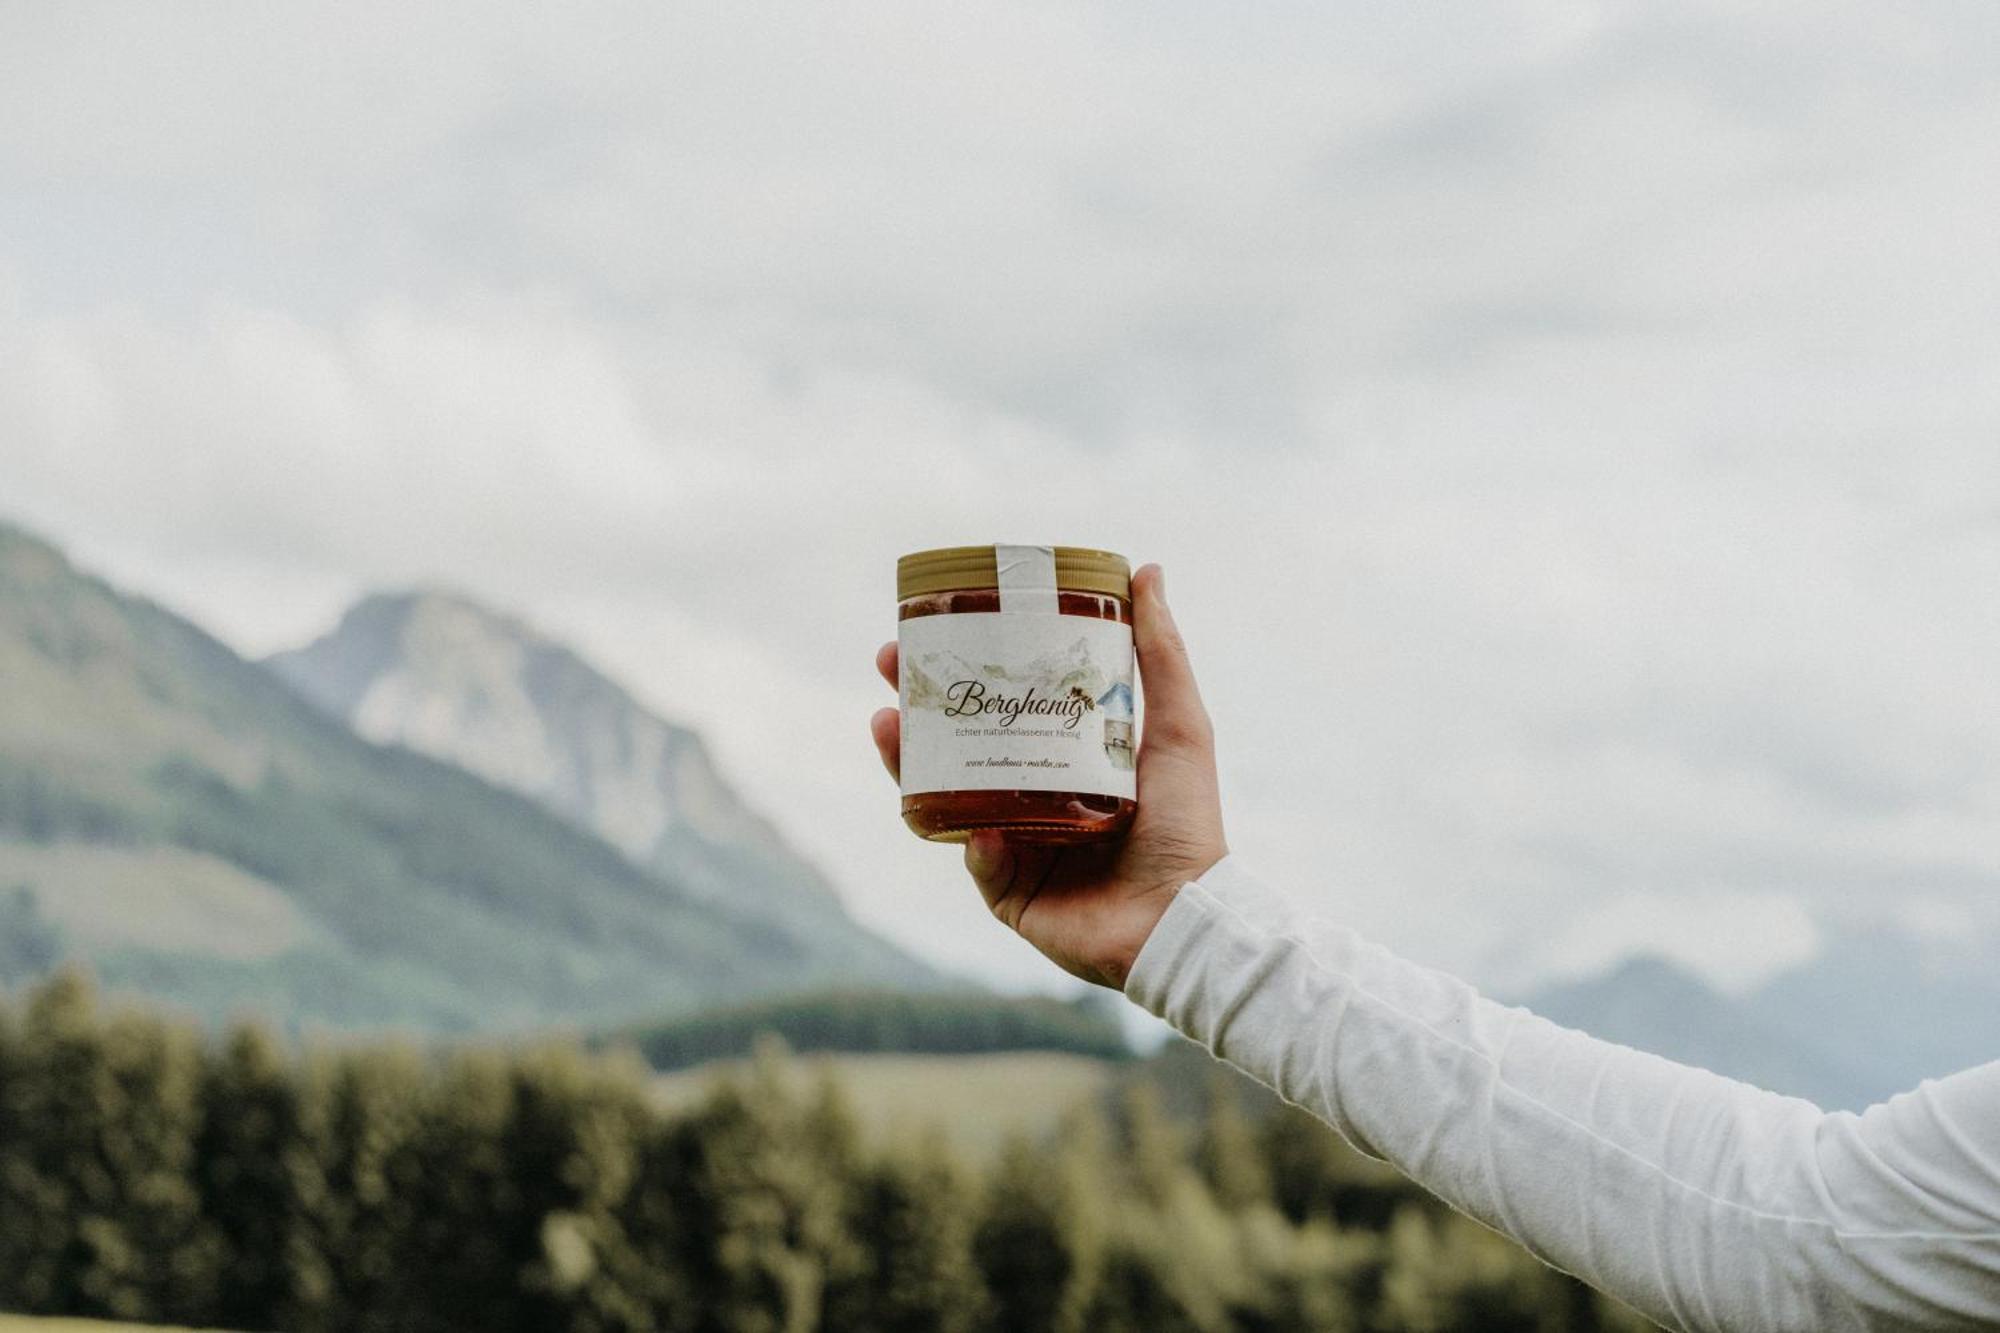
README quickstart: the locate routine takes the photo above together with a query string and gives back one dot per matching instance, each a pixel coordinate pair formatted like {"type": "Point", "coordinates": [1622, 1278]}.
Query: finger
{"type": "Point", "coordinates": [886, 661]}
{"type": "Point", "coordinates": [990, 861]}
{"type": "Point", "coordinates": [1175, 717]}
{"type": "Point", "coordinates": [887, 728]}
{"type": "Point", "coordinates": [1009, 874]}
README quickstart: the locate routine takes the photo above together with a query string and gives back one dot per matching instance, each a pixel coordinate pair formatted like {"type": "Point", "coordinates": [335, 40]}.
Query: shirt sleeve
{"type": "Point", "coordinates": [1702, 1202]}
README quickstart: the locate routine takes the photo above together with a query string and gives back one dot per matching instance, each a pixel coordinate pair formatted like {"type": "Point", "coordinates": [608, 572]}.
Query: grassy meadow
{"type": "Point", "coordinates": [975, 1102]}
{"type": "Point", "coordinates": [27, 1323]}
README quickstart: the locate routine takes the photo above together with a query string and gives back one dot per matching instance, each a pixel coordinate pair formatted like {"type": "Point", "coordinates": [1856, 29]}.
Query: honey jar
{"type": "Point", "coordinates": [1015, 684]}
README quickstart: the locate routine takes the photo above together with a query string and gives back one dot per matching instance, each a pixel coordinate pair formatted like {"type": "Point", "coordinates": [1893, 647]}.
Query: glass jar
{"type": "Point", "coordinates": [1015, 683]}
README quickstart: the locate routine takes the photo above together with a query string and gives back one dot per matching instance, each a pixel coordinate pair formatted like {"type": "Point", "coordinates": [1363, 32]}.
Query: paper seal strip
{"type": "Point", "coordinates": [1027, 579]}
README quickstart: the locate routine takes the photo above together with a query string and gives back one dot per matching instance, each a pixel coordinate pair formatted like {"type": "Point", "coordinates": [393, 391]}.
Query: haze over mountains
{"type": "Point", "coordinates": [1652, 1004]}
{"type": "Point", "coordinates": [197, 831]}
{"type": "Point", "coordinates": [1869, 1017]}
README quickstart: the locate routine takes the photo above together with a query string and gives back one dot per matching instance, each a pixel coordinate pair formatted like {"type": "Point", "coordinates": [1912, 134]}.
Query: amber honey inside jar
{"type": "Point", "coordinates": [1016, 692]}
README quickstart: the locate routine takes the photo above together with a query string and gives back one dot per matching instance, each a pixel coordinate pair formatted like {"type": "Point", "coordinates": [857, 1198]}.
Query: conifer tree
{"type": "Point", "coordinates": [1156, 1148]}
{"type": "Point", "coordinates": [1315, 1173]}
{"type": "Point", "coordinates": [911, 1213]}
{"type": "Point", "coordinates": [1139, 1290]}
{"type": "Point", "coordinates": [1416, 1296]}
{"type": "Point", "coordinates": [1039, 1243]}
{"type": "Point", "coordinates": [1170, 1257]}
{"type": "Point", "coordinates": [1175, 1255]}
{"type": "Point", "coordinates": [95, 1174]}
{"type": "Point", "coordinates": [1313, 1277]}
{"type": "Point", "coordinates": [255, 1172]}
{"type": "Point", "coordinates": [1230, 1159]}
{"type": "Point", "coordinates": [1024, 1244]}
{"type": "Point", "coordinates": [650, 1216]}
{"type": "Point", "coordinates": [760, 1218]}
{"type": "Point", "coordinates": [1447, 1272]}
{"type": "Point", "coordinates": [832, 1133]}
{"type": "Point", "coordinates": [832, 1129]}
{"type": "Point", "coordinates": [458, 1266]}
{"type": "Point", "coordinates": [572, 1143]}
{"type": "Point", "coordinates": [360, 1110]}
{"type": "Point", "coordinates": [18, 1241]}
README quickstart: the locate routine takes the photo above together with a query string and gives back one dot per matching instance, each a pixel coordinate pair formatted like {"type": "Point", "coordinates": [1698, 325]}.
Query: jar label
{"type": "Point", "coordinates": [997, 701]}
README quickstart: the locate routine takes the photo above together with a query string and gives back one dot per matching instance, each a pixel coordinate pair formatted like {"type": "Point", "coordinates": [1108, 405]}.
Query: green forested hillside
{"type": "Point", "coordinates": [183, 822]}
{"type": "Point", "coordinates": [882, 1021]}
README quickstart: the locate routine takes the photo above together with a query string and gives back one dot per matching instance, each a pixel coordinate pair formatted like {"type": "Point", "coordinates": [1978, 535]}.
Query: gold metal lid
{"type": "Point", "coordinates": [953, 568]}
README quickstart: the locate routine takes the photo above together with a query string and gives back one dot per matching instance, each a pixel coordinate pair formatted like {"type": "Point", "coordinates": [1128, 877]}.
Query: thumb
{"type": "Point", "coordinates": [1175, 717]}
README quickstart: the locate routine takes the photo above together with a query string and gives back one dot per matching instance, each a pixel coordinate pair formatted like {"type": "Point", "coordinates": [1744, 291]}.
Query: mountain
{"type": "Point", "coordinates": [1915, 1008]}
{"type": "Point", "coordinates": [197, 831]}
{"type": "Point", "coordinates": [460, 682]}
{"type": "Point", "coordinates": [1870, 1015]}
{"type": "Point", "coordinates": [1650, 1004]}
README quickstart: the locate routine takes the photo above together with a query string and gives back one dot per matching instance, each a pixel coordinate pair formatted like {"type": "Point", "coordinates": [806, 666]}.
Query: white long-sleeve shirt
{"type": "Point", "coordinates": [1703, 1202]}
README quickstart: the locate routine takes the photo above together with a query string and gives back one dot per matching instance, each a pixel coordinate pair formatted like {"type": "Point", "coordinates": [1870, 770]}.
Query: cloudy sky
{"type": "Point", "coordinates": [1572, 431]}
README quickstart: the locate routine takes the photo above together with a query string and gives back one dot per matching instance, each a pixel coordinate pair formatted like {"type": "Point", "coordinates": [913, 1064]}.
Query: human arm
{"type": "Point", "coordinates": [1703, 1202]}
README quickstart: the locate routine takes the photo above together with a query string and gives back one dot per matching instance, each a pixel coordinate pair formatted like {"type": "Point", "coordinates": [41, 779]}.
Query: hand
{"type": "Point", "coordinates": [1090, 908]}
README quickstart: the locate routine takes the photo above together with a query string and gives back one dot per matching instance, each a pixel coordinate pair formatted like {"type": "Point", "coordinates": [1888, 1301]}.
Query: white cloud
{"type": "Point", "coordinates": [1569, 427]}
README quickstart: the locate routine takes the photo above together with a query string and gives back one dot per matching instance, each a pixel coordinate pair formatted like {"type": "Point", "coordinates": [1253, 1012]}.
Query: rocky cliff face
{"type": "Point", "coordinates": [461, 682]}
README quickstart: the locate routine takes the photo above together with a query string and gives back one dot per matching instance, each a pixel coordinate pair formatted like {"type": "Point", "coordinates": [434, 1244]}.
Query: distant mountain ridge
{"type": "Point", "coordinates": [1651, 1004]}
{"type": "Point", "coordinates": [1865, 1019]}
{"type": "Point", "coordinates": [1910, 1008]}
{"type": "Point", "coordinates": [449, 677]}
{"type": "Point", "coordinates": [196, 831]}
